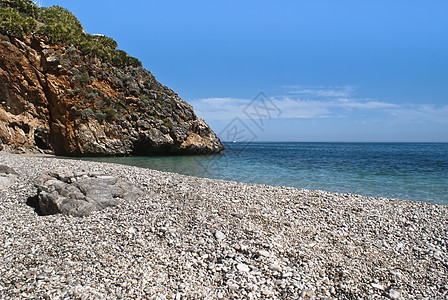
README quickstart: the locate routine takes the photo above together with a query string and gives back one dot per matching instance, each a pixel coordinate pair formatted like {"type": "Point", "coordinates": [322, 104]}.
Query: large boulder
{"type": "Point", "coordinates": [8, 176]}
{"type": "Point", "coordinates": [80, 194]}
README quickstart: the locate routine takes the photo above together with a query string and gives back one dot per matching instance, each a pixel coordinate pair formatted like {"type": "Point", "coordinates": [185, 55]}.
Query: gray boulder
{"type": "Point", "coordinates": [5, 170]}
{"type": "Point", "coordinates": [8, 176]}
{"type": "Point", "coordinates": [80, 194]}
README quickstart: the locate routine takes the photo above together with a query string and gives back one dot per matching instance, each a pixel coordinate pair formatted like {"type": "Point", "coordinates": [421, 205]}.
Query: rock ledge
{"type": "Point", "coordinates": [81, 193]}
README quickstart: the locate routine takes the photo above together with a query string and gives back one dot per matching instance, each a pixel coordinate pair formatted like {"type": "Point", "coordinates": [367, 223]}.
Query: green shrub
{"type": "Point", "coordinates": [60, 24]}
{"type": "Point", "coordinates": [99, 116]}
{"type": "Point", "coordinates": [5, 38]}
{"type": "Point", "coordinates": [18, 18]}
{"type": "Point", "coordinates": [14, 24]}
{"type": "Point", "coordinates": [25, 7]}
{"type": "Point", "coordinates": [107, 42]}
{"type": "Point", "coordinates": [110, 114]}
{"type": "Point", "coordinates": [86, 113]}
{"type": "Point", "coordinates": [107, 100]}
{"type": "Point", "coordinates": [145, 100]}
{"type": "Point", "coordinates": [84, 79]}
{"type": "Point", "coordinates": [92, 95]}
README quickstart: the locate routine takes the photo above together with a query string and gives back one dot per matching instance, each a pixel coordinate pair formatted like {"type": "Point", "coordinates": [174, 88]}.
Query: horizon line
{"type": "Point", "coordinates": [360, 142]}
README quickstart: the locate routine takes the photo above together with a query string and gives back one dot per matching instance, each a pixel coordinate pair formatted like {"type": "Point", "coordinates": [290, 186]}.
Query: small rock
{"type": "Point", "coordinates": [41, 277]}
{"type": "Point", "coordinates": [394, 294]}
{"type": "Point", "coordinates": [267, 292]}
{"type": "Point", "coordinates": [377, 286]}
{"type": "Point", "coordinates": [242, 267]}
{"type": "Point", "coordinates": [263, 253]}
{"type": "Point", "coordinates": [286, 274]}
{"type": "Point", "coordinates": [275, 268]}
{"type": "Point", "coordinates": [219, 235]}
{"type": "Point", "coordinates": [395, 273]}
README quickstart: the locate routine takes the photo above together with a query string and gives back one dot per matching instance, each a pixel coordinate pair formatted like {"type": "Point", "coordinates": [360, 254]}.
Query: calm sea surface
{"type": "Point", "coordinates": [413, 171]}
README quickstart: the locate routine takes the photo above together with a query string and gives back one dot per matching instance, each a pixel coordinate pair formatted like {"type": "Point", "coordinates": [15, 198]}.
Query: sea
{"type": "Point", "coordinates": [410, 171]}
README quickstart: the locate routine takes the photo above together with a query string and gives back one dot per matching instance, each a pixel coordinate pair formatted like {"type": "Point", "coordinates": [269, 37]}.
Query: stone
{"type": "Point", "coordinates": [7, 170]}
{"type": "Point", "coordinates": [174, 249]}
{"type": "Point", "coordinates": [377, 286]}
{"type": "Point", "coordinates": [62, 192]}
{"type": "Point", "coordinates": [394, 294]}
{"type": "Point", "coordinates": [53, 59]}
{"type": "Point", "coordinates": [219, 235]}
{"type": "Point", "coordinates": [263, 253]}
{"type": "Point", "coordinates": [287, 274]}
{"type": "Point", "coordinates": [233, 287]}
{"type": "Point", "coordinates": [8, 176]}
{"type": "Point", "coordinates": [242, 267]}
{"type": "Point", "coordinates": [6, 182]}
{"type": "Point", "coordinates": [275, 268]}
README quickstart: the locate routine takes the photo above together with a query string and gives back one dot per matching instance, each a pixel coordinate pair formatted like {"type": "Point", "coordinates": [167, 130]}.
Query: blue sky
{"type": "Point", "coordinates": [336, 70]}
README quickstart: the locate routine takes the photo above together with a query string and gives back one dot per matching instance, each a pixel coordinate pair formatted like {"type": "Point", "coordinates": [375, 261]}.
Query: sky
{"type": "Point", "coordinates": [330, 71]}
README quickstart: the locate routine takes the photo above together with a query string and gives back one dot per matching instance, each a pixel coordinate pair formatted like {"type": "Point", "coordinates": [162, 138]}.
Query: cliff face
{"type": "Point", "coordinates": [57, 99]}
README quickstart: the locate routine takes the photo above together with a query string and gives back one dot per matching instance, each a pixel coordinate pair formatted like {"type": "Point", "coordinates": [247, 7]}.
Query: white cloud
{"type": "Point", "coordinates": [303, 109]}
{"type": "Point", "coordinates": [320, 102]}
{"type": "Point", "coordinates": [219, 108]}
{"type": "Point", "coordinates": [422, 113]}
{"type": "Point", "coordinates": [366, 105]}
{"type": "Point", "coordinates": [320, 91]}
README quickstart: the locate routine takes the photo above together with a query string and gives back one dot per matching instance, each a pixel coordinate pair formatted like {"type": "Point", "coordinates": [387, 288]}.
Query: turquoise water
{"type": "Point", "coordinates": [413, 171]}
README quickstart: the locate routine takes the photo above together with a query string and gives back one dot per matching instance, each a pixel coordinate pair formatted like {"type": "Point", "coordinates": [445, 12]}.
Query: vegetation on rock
{"type": "Point", "coordinates": [72, 93]}
{"type": "Point", "coordinates": [19, 18]}
{"type": "Point", "coordinates": [12, 23]}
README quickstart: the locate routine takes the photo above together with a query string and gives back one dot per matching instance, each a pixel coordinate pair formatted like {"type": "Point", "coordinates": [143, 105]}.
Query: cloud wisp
{"type": "Point", "coordinates": [308, 102]}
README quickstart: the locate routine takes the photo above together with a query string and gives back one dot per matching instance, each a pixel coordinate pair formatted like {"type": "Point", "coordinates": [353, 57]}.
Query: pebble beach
{"type": "Point", "coordinates": [197, 238]}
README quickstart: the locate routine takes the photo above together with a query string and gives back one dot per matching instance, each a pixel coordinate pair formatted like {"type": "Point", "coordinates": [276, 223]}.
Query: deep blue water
{"type": "Point", "coordinates": [413, 171]}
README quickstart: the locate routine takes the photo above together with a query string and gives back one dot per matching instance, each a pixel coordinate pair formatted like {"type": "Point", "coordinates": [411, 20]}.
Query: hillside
{"type": "Point", "coordinates": [66, 92]}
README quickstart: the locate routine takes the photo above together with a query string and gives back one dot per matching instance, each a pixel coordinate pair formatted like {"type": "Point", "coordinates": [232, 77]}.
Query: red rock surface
{"type": "Point", "coordinates": [56, 99]}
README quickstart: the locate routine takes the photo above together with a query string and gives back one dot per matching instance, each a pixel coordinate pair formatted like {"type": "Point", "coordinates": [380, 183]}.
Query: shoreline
{"type": "Point", "coordinates": [198, 237]}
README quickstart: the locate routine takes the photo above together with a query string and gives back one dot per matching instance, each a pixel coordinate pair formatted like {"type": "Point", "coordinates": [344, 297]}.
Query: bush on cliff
{"type": "Point", "coordinates": [12, 23]}
{"type": "Point", "coordinates": [60, 25]}
{"type": "Point", "coordinates": [18, 18]}
{"type": "Point", "coordinates": [24, 7]}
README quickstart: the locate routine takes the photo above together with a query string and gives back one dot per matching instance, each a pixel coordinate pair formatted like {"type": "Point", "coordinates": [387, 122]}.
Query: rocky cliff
{"type": "Point", "coordinates": [57, 98]}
